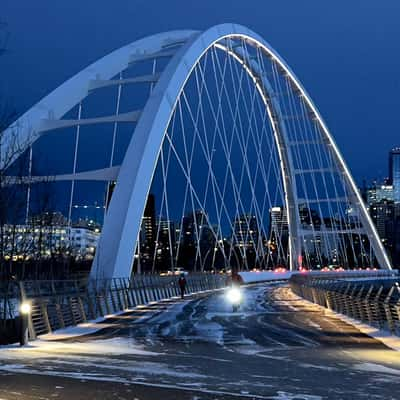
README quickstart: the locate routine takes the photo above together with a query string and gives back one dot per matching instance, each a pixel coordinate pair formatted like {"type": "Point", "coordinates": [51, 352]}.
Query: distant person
{"type": "Point", "coordinates": [236, 279]}
{"type": "Point", "coordinates": [182, 284]}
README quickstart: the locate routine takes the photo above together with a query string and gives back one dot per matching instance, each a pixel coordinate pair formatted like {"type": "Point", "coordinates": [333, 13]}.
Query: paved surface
{"type": "Point", "coordinates": [275, 347]}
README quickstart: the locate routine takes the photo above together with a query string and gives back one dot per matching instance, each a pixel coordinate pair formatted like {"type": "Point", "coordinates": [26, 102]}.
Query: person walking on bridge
{"type": "Point", "coordinates": [182, 285]}
{"type": "Point", "coordinates": [236, 279]}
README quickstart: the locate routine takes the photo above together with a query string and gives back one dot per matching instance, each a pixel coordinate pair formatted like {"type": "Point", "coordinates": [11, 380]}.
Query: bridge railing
{"type": "Point", "coordinates": [372, 298]}
{"type": "Point", "coordinates": [59, 304]}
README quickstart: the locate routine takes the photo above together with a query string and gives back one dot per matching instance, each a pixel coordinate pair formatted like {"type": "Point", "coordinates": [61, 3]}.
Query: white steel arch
{"type": "Point", "coordinates": [48, 111]}
{"type": "Point", "coordinates": [116, 248]}
{"type": "Point", "coordinates": [121, 228]}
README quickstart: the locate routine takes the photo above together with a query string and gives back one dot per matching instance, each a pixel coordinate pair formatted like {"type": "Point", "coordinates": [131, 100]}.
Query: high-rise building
{"type": "Point", "coordinates": [377, 193]}
{"type": "Point", "coordinates": [166, 245]}
{"type": "Point", "coordinates": [148, 234]}
{"type": "Point", "coordinates": [278, 237]}
{"type": "Point", "coordinates": [196, 241]}
{"type": "Point", "coordinates": [246, 241]}
{"type": "Point", "coordinates": [394, 173]}
{"type": "Point", "coordinates": [393, 243]}
{"type": "Point", "coordinates": [382, 207]}
{"type": "Point", "coordinates": [309, 218]}
{"type": "Point", "coordinates": [246, 231]}
{"type": "Point", "coordinates": [278, 221]}
{"type": "Point", "coordinates": [193, 224]}
{"type": "Point", "coordinates": [382, 213]}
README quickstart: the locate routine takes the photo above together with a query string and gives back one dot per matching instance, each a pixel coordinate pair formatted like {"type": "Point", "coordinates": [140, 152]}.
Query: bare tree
{"type": "Point", "coordinates": [7, 115]}
{"type": "Point", "coordinates": [11, 202]}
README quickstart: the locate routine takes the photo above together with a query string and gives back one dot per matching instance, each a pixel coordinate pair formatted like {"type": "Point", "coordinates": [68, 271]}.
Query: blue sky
{"type": "Point", "coordinates": [346, 54]}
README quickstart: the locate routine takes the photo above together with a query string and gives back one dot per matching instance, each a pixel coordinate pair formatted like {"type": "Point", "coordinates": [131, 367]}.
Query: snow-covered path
{"type": "Point", "coordinates": [275, 347]}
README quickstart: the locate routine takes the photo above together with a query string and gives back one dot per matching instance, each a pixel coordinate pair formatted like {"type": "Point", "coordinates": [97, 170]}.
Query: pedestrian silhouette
{"type": "Point", "coordinates": [182, 285]}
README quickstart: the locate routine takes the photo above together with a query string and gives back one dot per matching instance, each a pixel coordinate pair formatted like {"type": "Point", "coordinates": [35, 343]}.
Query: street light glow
{"type": "Point", "coordinates": [25, 308]}
{"type": "Point", "coordinates": [234, 295]}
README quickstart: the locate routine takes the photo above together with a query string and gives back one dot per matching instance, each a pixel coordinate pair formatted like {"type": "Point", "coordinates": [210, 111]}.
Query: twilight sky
{"type": "Point", "coordinates": [346, 53]}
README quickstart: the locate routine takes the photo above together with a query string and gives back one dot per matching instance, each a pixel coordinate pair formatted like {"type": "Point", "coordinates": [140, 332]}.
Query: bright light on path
{"type": "Point", "coordinates": [234, 295]}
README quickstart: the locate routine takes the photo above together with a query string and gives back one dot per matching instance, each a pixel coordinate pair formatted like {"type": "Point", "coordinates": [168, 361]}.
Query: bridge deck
{"type": "Point", "coordinates": [275, 347]}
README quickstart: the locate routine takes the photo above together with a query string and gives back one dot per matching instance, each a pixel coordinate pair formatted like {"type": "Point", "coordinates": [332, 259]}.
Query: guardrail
{"type": "Point", "coordinates": [59, 304]}
{"type": "Point", "coordinates": [372, 298]}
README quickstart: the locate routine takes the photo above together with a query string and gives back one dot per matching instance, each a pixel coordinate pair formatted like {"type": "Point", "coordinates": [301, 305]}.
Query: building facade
{"type": "Point", "coordinates": [394, 173]}
{"type": "Point", "coordinates": [24, 242]}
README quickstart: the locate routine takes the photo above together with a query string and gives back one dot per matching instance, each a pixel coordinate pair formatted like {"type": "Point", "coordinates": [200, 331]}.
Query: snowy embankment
{"type": "Point", "coordinates": [264, 276]}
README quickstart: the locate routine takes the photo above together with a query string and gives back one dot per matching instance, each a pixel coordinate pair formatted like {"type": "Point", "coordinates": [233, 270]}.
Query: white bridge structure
{"type": "Point", "coordinates": [219, 157]}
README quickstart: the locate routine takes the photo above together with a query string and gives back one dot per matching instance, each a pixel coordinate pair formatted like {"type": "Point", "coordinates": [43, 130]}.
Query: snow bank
{"type": "Point", "coordinates": [44, 348]}
{"type": "Point", "coordinates": [378, 368]}
{"type": "Point", "coordinates": [262, 276]}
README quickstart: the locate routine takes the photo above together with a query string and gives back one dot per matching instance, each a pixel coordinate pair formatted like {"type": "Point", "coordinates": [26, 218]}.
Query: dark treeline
{"type": "Point", "coordinates": [21, 257]}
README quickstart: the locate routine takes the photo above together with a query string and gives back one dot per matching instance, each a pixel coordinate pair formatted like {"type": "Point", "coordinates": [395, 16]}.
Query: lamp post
{"type": "Point", "coordinates": [24, 311]}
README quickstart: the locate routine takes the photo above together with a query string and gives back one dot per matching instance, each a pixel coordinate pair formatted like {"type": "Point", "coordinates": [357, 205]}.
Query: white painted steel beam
{"type": "Point", "coordinates": [61, 100]}
{"type": "Point", "coordinates": [104, 174]}
{"type": "Point", "coordinates": [314, 170]}
{"type": "Point", "coordinates": [316, 232]}
{"type": "Point", "coordinates": [324, 200]}
{"type": "Point", "coordinates": [53, 124]}
{"type": "Point", "coordinates": [101, 83]}
{"type": "Point", "coordinates": [151, 56]}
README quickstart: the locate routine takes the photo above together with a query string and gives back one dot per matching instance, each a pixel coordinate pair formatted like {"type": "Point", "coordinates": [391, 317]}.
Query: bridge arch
{"type": "Point", "coordinates": [122, 224]}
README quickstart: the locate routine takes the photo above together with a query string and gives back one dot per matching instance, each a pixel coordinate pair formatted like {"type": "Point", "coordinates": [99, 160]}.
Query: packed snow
{"type": "Point", "coordinates": [272, 342]}
{"type": "Point", "coordinates": [264, 276]}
